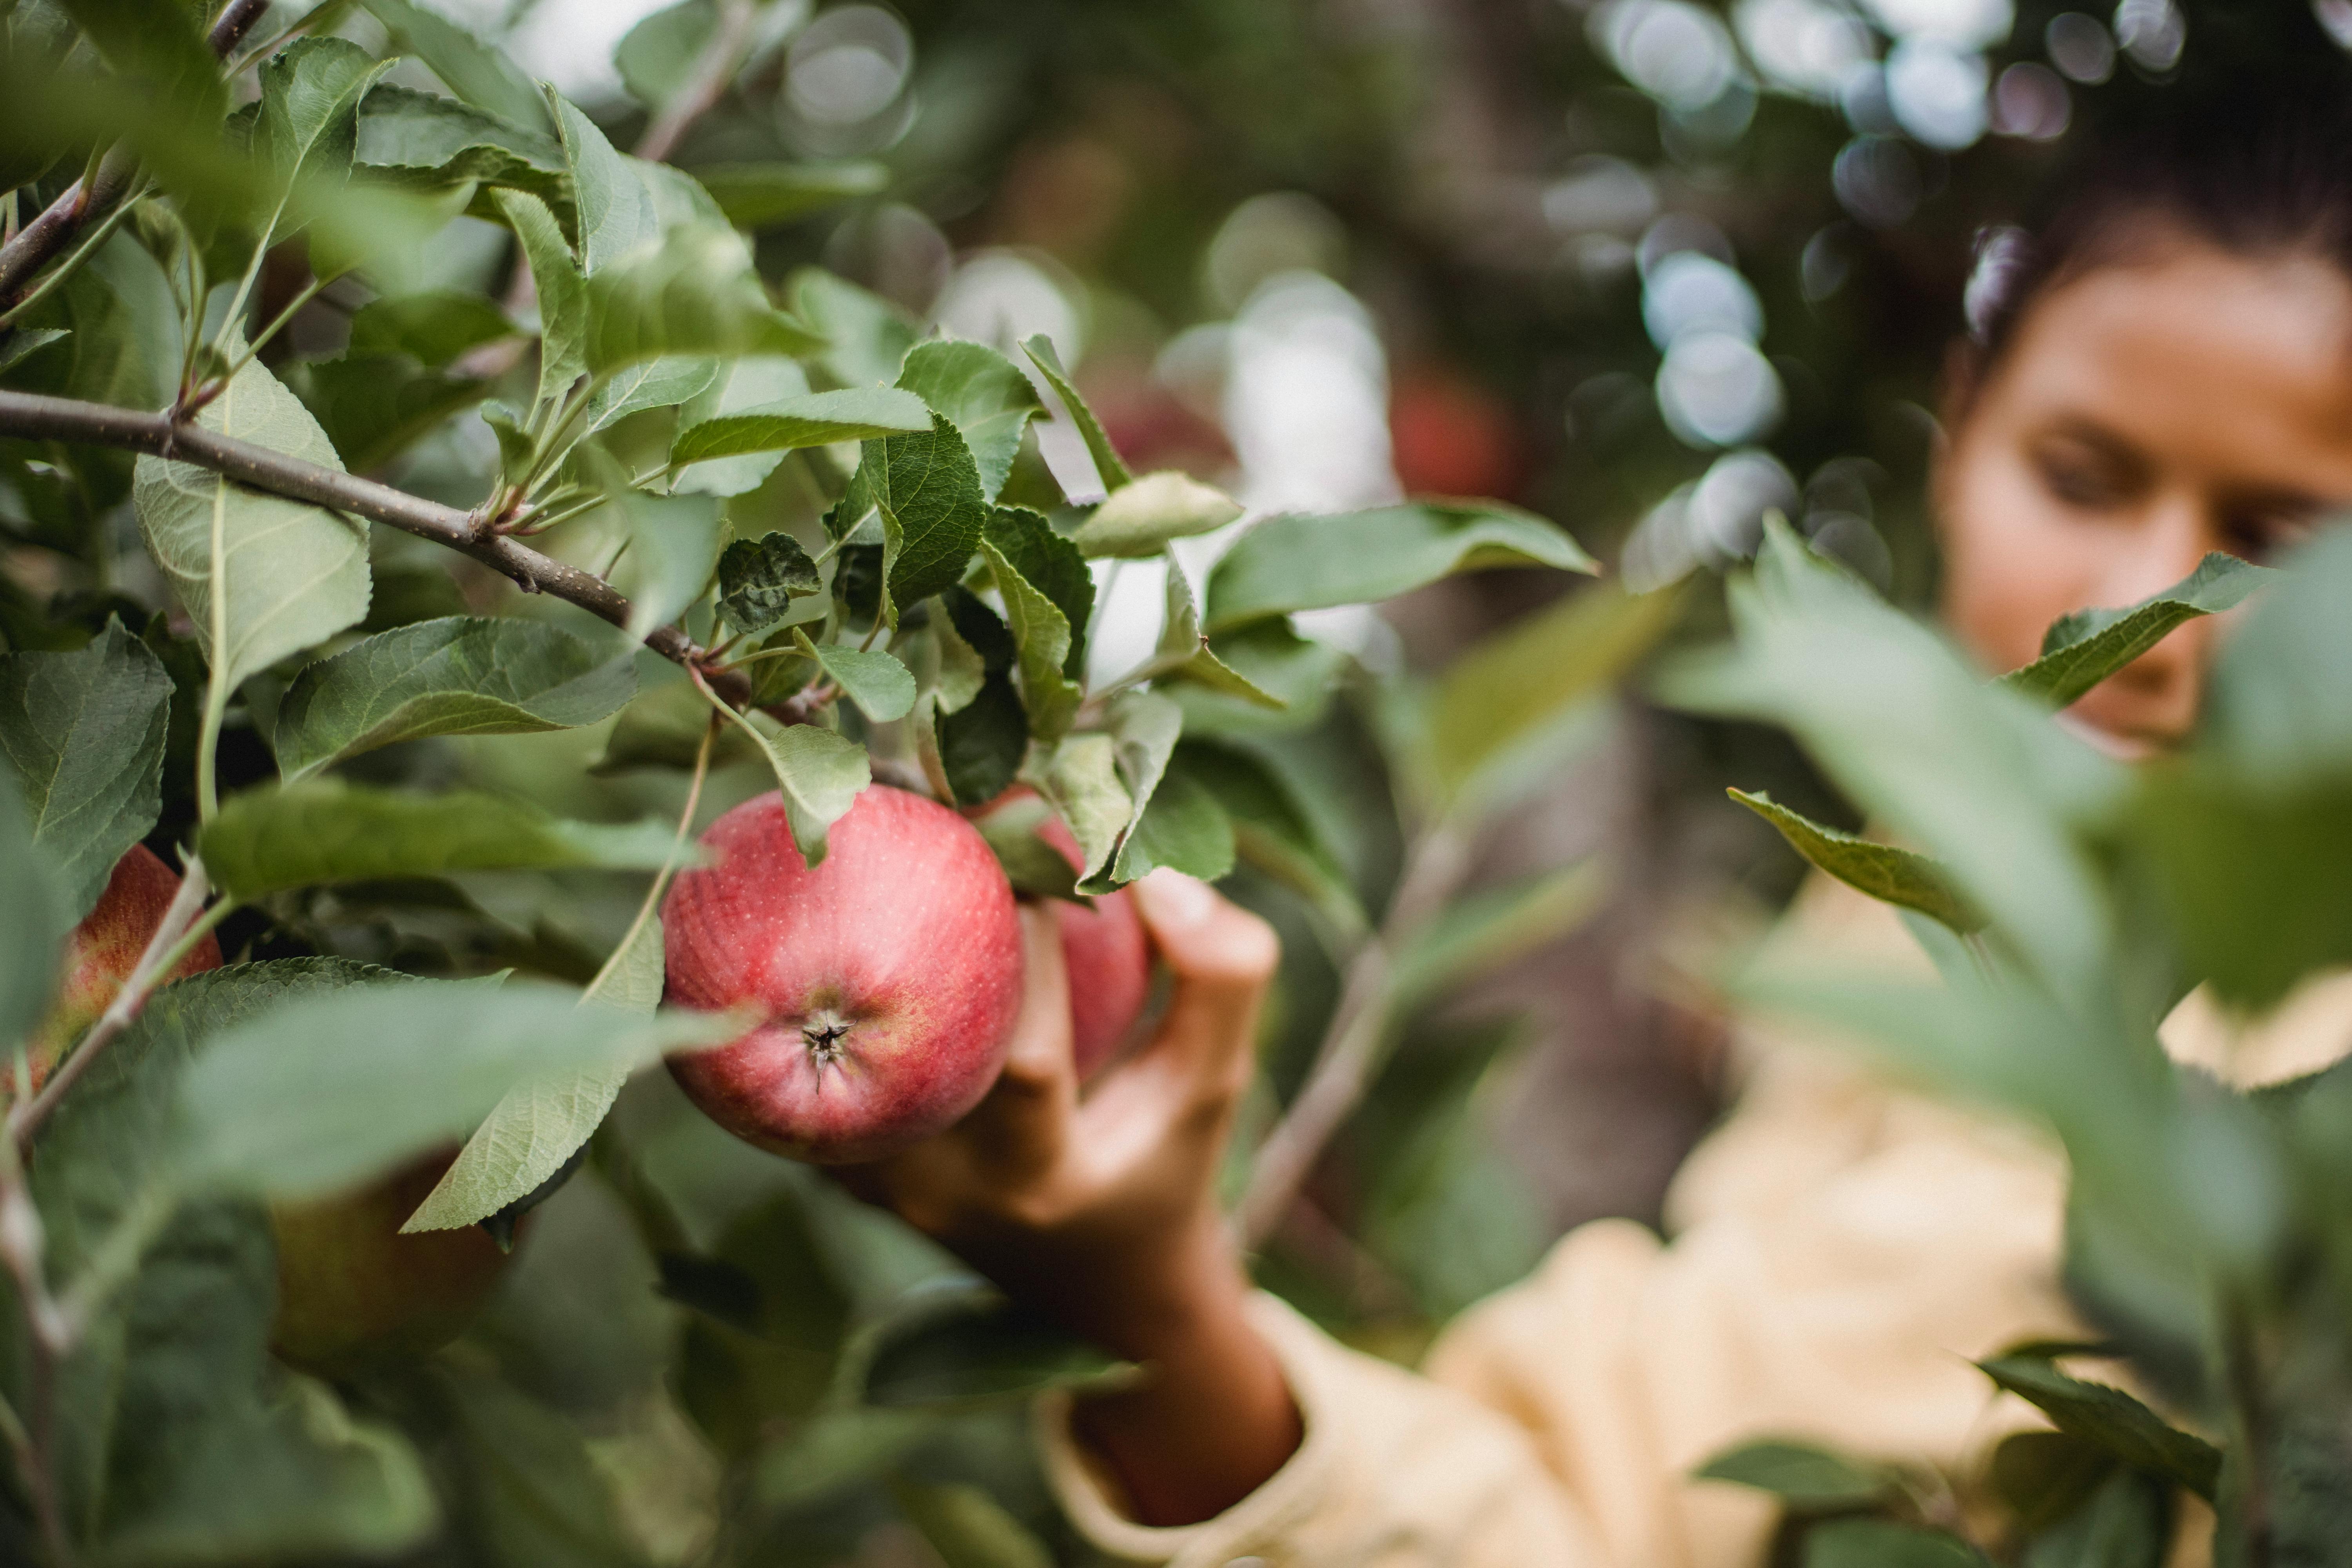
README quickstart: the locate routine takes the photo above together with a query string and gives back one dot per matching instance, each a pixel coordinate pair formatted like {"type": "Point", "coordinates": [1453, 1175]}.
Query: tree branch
{"type": "Point", "coordinates": [40, 241]}
{"type": "Point", "coordinates": [1351, 1043]}
{"type": "Point", "coordinates": [706, 83]}
{"type": "Point", "coordinates": [30, 415]}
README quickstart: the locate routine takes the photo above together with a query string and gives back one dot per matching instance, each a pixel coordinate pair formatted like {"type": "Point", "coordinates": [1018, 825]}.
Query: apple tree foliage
{"type": "Point", "coordinates": [428, 513]}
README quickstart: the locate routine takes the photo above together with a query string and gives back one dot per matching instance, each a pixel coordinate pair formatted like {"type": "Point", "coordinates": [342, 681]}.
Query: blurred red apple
{"type": "Point", "coordinates": [351, 1287]}
{"type": "Point", "coordinates": [889, 977]}
{"type": "Point", "coordinates": [104, 948]}
{"type": "Point", "coordinates": [1450, 436]}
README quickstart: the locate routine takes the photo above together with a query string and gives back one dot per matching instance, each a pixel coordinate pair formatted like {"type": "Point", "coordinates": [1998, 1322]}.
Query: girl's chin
{"type": "Point", "coordinates": [2122, 745]}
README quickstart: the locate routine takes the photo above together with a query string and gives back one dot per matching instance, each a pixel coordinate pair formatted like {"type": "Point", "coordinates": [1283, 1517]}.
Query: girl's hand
{"type": "Point", "coordinates": [1102, 1212]}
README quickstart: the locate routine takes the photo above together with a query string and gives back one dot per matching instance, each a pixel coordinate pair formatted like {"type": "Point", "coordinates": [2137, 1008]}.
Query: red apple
{"type": "Point", "coordinates": [104, 948]}
{"type": "Point", "coordinates": [889, 977]}
{"type": "Point", "coordinates": [351, 1287]}
{"type": "Point", "coordinates": [1108, 959]}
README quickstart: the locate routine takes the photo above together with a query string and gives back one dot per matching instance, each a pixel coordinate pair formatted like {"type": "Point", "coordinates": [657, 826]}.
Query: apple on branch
{"type": "Point", "coordinates": [890, 976]}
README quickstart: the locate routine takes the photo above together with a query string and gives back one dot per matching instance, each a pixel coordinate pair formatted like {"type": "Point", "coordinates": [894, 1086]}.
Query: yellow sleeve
{"type": "Point", "coordinates": [1394, 1472]}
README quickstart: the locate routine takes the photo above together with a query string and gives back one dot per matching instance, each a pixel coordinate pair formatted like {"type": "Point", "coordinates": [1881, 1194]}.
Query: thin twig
{"type": "Point", "coordinates": [21, 1245]}
{"type": "Point", "coordinates": [713, 71]}
{"type": "Point", "coordinates": [1351, 1048]}
{"type": "Point", "coordinates": [183, 925]}
{"type": "Point", "coordinates": [66, 419]}
{"type": "Point", "coordinates": [40, 241]}
{"type": "Point", "coordinates": [661, 879]}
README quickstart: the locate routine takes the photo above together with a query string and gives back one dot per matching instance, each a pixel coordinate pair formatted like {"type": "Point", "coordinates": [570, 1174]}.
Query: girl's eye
{"type": "Point", "coordinates": [2257, 535]}
{"type": "Point", "coordinates": [2081, 479]}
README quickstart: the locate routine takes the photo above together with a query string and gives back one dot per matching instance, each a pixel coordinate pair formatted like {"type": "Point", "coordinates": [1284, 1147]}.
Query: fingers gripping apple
{"type": "Point", "coordinates": [889, 977]}
{"type": "Point", "coordinates": [1108, 960]}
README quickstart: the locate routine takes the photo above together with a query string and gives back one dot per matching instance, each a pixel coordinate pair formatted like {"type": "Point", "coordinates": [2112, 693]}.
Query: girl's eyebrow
{"type": "Point", "coordinates": [2105, 443]}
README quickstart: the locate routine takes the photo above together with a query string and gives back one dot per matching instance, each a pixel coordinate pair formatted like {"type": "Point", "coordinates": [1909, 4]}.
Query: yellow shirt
{"type": "Point", "coordinates": [1842, 1250]}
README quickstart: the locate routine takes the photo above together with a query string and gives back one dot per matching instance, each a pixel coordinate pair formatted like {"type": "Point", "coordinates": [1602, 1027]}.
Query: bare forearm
{"type": "Point", "coordinates": [1213, 1418]}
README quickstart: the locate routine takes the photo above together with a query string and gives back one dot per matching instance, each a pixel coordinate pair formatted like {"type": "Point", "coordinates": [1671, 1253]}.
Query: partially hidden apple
{"type": "Point", "coordinates": [103, 949]}
{"type": "Point", "coordinates": [887, 978]}
{"type": "Point", "coordinates": [351, 1288]}
{"type": "Point", "coordinates": [1108, 959]}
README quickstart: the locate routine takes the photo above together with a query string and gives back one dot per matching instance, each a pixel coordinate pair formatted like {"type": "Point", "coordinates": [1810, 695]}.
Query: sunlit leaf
{"type": "Point", "coordinates": [928, 493]}
{"type": "Point", "coordinates": [421, 140]}
{"type": "Point", "coordinates": [561, 291]}
{"type": "Point", "coordinates": [1140, 518]}
{"type": "Point", "coordinates": [293, 573]}
{"type": "Point", "coordinates": [868, 336]}
{"type": "Point", "coordinates": [809, 419]}
{"type": "Point", "coordinates": [883, 688]}
{"type": "Point", "coordinates": [480, 75]}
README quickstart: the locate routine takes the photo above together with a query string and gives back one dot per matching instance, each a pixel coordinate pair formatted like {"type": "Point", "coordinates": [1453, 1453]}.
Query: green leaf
{"type": "Point", "coordinates": [122, 327]}
{"type": "Point", "coordinates": [1486, 930]}
{"type": "Point", "coordinates": [162, 51]}
{"type": "Point", "coordinates": [528, 1486]}
{"type": "Point", "coordinates": [538, 1126]}
{"type": "Point", "coordinates": [1182, 827]}
{"type": "Point", "coordinates": [968, 1527]}
{"type": "Point", "coordinates": [617, 208]}
{"type": "Point", "coordinates": [820, 775]}
{"type": "Point", "coordinates": [763, 196]}
{"type": "Point", "coordinates": [1034, 868]}
{"type": "Point", "coordinates": [745, 385]}
{"type": "Point", "coordinates": [1047, 593]}
{"type": "Point", "coordinates": [476, 72]}
{"type": "Point", "coordinates": [1081, 777]}
{"type": "Point", "coordinates": [1184, 655]}
{"type": "Point", "coordinates": [928, 493]}
{"type": "Point", "coordinates": [1297, 563]}
{"type": "Point", "coordinates": [187, 1442]}
{"type": "Point", "coordinates": [2126, 1523]}
{"type": "Point", "coordinates": [835, 1449]}
{"type": "Point", "coordinates": [1272, 832]}
{"type": "Point", "coordinates": [84, 734]}
{"type": "Point", "coordinates": [981, 743]}
{"type": "Point", "coordinates": [868, 336]}
{"type": "Point", "coordinates": [374, 407]}
{"type": "Point", "coordinates": [308, 131]}
{"type": "Point", "coordinates": [287, 574]}
{"type": "Point", "coordinates": [24, 341]}
{"type": "Point", "coordinates": [1518, 683]}
{"type": "Point", "coordinates": [961, 1346]}
{"type": "Point", "coordinates": [34, 919]}
{"type": "Point", "coordinates": [883, 688]}
{"type": "Point", "coordinates": [318, 1094]}
{"type": "Point", "coordinates": [1973, 775]}
{"type": "Point", "coordinates": [424, 141]}
{"type": "Point", "coordinates": [650, 384]}
{"type": "Point", "coordinates": [811, 419]}
{"type": "Point", "coordinates": [2082, 650]}
{"type": "Point", "coordinates": [459, 676]}
{"type": "Point", "coordinates": [1885, 872]}
{"type": "Point", "coordinates": [674, 544]}
{"type": "Point", "coordinates": [1806, 1479]}
{"type": "Point", "coordinates": [431, 328]}
{"type": "Point", "coordinates": [694, 293]}
{"type": "Point", "coordinates": [563, 295]}
{"type": "Point", "coordinates": [1876, 1543]}
{"type": "Point", "coordinates": [986, 395]}
{"type": "Point", "coordinates": [321, 831]}
{"type": "Point", "coordinates": [1109, 465]}
{"type": "Point", "coordinates": [1298, 672]}
{"type": "Point", "coordinates": [758, 582]}
{"type": "Point", "coordinates": [2110, 1418]}
{"type": "Point", "coordinates": [1140, 519]}
{"type": "Point", "coordinates": [657, 57]}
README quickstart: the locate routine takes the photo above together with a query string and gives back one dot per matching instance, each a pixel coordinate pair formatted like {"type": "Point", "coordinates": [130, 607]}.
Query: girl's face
{"type": "Point", "coordinates": [2144, 413]}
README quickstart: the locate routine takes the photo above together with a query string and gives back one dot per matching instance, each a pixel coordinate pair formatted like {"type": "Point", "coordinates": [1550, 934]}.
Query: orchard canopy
{"type": "Point", "coordinates": [451, 455]}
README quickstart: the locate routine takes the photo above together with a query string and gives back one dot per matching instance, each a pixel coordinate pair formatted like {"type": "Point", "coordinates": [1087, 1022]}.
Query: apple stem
{"type": "Point", "coordinates": [824, 1041]}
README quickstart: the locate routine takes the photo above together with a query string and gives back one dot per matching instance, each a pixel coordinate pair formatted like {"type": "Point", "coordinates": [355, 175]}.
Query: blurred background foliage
{"type": "Point", "coordinates": [1650, 268]}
